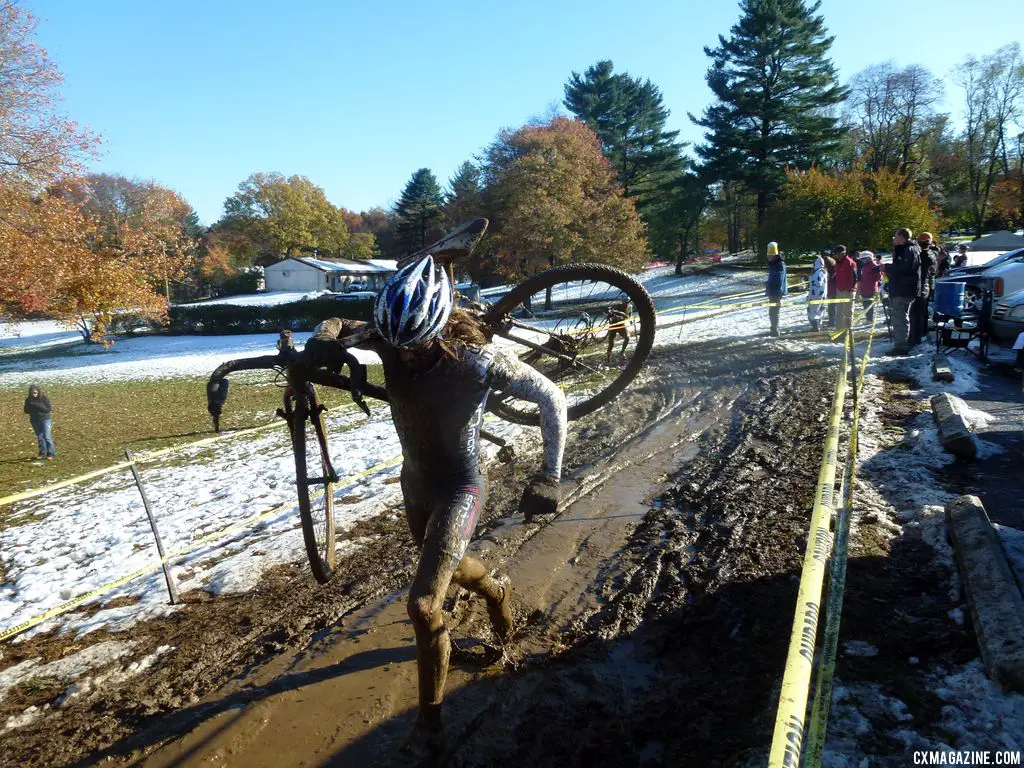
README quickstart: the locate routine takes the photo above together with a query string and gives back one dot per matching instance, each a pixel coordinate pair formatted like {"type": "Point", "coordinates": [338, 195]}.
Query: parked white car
{"type": "Point", "coordinates": [1004, 276]}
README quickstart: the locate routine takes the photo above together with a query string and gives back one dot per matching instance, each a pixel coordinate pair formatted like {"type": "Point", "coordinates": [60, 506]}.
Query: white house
{"type": "Point", "coordinates": [304, 273]}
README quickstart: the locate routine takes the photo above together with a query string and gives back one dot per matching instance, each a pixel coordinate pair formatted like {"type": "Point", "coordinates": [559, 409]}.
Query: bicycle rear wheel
{"type": "Point", "coordinates": [541, 316]}
{"type": "Point", "coordinates": [314, 482]}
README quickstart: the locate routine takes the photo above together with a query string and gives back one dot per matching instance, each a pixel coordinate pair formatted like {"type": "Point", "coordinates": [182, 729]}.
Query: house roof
{"type": "Point", "coordinates": [1003, 240]}
{"type": "Point", "coordinates": [366, 267]}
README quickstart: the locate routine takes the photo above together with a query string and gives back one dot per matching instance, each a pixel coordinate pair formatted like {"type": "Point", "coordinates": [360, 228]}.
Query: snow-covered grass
{"type": "Point", "coordinates": [32, 335]}
{"type": "Point", "coordinates": [147, 357]}
{"type": "Point", "coordinates": [265, 299]}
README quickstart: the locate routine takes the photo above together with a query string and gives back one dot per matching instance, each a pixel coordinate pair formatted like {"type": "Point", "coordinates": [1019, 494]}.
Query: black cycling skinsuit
{"type": "Point", "coordinates": [437, 413]}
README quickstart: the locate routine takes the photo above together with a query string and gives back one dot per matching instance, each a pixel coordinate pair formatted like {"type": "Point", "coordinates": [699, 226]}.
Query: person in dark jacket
{"type": "Point", "coordinates": [37, 406]}
{"type": "Point", "coordinates": [904, 285]}
{"type": "Point", "coordinates": [942, 264]}
{"type": "Point", "coordinates": [775, 286]}
{"type": "Point", "coordinates": [926, 287]}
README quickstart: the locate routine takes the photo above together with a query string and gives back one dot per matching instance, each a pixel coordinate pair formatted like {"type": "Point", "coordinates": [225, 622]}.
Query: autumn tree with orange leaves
{"type": "Point", "coordinates": [555, 200]}
{"type": "Point", "coordinates": [77, 249]}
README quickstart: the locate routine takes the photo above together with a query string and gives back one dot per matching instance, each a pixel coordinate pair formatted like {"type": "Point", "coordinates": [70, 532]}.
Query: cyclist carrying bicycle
{"type": "Point", "coordinates": [616, 317]}
{"type": "Point", "coordinates": [438, 371]}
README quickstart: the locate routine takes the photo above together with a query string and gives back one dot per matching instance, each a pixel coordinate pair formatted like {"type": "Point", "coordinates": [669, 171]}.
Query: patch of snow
{"type": "Point", "coordinates": [34, 334]}
{"type": "Point", "coordinates": [976, 716]}
{"type": "Point", "coordinates": [859, 648]}
{"type": "Point", "coordinates": [87, 685]}
{"type": "Point", "coordinates": [68, 668]}
{"type": "Point", "coordinates": [147, 357]}
{"type": "Point", "coordinates": [265, 299]}
{"type": "Point", "coordinates": [19, 721]}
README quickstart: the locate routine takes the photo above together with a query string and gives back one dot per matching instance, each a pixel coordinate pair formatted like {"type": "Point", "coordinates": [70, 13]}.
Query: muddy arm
{"type": "Point", "coordinates": [513, 377]}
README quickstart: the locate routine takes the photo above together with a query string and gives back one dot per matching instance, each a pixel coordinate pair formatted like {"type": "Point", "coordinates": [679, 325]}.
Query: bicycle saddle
{"type": "Point", "coordinates": [456, 244]}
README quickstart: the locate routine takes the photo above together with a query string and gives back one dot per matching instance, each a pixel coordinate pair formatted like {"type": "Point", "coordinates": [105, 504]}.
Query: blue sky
{"type": "Point", "coordinates": [198, 94]}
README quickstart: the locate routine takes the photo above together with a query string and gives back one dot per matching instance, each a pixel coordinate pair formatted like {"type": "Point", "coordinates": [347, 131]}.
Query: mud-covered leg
{"type": "Point", "coordinates": [625, 343]}
{"type": "Point", "coordinates": [444, 543]}
{"type": "Point", "coordinates": [611, 345]}
{"type": "Point", "coordinates": [433, 650]}
{"type": "Point", "coordinates": [472, 575]}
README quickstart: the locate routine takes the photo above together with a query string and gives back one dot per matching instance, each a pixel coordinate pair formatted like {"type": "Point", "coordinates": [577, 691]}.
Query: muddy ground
{"type": "Point", "coordinates": [654, 613]}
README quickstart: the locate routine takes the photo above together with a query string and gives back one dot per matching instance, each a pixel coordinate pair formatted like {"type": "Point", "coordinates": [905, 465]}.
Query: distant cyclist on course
{"type": "Point", "coordinates": [616, 317]}
{"type": "Point", "coordinates": [438, 371]}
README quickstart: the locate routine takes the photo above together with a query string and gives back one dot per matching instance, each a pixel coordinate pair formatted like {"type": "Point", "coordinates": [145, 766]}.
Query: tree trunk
{"type": "Point", "coordinates": [762, 209]}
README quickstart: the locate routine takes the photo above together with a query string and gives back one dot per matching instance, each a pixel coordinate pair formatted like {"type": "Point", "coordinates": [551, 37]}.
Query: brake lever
{"type": "Point", "coordinates": [356, 378]}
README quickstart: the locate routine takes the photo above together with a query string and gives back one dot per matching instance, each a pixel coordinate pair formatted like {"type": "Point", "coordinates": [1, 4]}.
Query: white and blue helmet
{"type": "Point", "coordinates": [414, 305]}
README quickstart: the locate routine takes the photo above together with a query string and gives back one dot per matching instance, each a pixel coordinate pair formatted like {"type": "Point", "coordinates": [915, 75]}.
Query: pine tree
{"type": "Point", "coordinates": [464, 199]}
{"type": "Point", "coordinates": [774, 86]}
{"type": "Point", "coordinates": [419, 210]}
{"type": "Point", "coordinates": [628, 115]}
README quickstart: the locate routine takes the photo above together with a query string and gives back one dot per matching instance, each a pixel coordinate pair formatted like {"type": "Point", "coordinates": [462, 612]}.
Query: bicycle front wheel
{"type": "Point", "coordinates": [314, 482]}
{"type": "Point", "coordinates": [541, 315]}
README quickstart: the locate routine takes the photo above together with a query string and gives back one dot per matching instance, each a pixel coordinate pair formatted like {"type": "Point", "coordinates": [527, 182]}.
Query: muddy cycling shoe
{"type": "Point", "coordinates": [500, 614]}
{"type": "Point", "coordinates": [425, 741]}
{"type": "Point", "coordinates": [540, 497]}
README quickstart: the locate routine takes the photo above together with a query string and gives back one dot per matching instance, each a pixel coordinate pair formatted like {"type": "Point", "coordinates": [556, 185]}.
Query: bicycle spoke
{"type": "Point", "coordinates": [570, 323]}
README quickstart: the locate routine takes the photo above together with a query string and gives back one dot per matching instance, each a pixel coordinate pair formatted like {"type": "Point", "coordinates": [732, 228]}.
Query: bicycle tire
{"type": "Point", "coordinates": [642, 304]}
{"type": "Point", "coordinates": [315, 494]}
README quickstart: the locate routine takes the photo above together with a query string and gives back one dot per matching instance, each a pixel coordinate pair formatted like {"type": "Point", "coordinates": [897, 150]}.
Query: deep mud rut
{"type": "Point", "coordinates": [653, 613]}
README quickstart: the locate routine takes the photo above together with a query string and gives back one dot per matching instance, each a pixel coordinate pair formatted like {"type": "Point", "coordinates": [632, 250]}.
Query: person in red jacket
{"type": "Point", "coordinates": [846, 282]}
{"type": "Point", "coordinates": [870, 281]}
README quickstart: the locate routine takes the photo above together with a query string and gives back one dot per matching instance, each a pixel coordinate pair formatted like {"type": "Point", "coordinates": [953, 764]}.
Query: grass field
{"type": "Point", "coordinates": [94, 423]}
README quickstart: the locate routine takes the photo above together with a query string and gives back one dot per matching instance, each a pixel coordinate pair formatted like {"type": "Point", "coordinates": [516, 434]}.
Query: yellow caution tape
{"type": "Point", "coordinates": [818, 727]}
{"type": "Point", "coordinates": [787, 739]}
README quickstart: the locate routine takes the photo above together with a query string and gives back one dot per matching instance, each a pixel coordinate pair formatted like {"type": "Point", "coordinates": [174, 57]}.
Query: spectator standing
{"type": "Point", "coordinates": [904, 284]}
{"type": "Point", "coordinates": [870, 282]}
{"type": "Point", "coordinates": [775, 286]}
{"type": "Point", "coordinates": [846, 282]}
{"type": "Point", "coordinates": [960, 260]}
{"type": "Point", "coordinates": [816, 291]}
{"type": "Point", "coordinates": [942, 262]}
{"type": "Point", "coordinates": [830, 292]}
{"type": "Point", "coordinates": [40, 416]}
{"type": "Point", "coordinates": [926, 287]}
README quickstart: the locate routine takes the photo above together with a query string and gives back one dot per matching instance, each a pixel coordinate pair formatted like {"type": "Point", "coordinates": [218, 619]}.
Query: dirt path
{"type": "Point", "coordinates": [653, 612]}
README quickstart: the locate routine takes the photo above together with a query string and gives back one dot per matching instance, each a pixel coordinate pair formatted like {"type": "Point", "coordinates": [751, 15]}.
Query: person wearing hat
{"type": "Point", "coordinates": [816, 290]}
{"type": "Point", "coordinates": [775, 285]}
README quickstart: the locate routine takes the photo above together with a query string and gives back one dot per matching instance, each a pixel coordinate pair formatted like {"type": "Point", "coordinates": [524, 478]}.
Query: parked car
{"type": "Point", "coordinates": [978, 268]}
{"type": "Point", "coordinates": [1008, 317]}
{"type": "Point", "coordinates": [1002, 276]}
{"type": "Point", "coordinates": [357, 285]}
